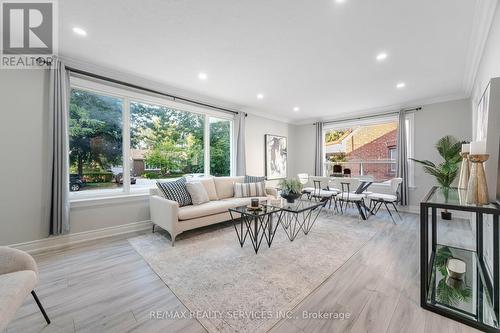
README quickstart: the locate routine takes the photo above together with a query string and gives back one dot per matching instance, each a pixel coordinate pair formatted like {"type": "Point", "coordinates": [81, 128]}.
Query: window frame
{"type": "Point", "coordinates": [133, 95]}
{"type": "Point", "coordinates": [392, 150]}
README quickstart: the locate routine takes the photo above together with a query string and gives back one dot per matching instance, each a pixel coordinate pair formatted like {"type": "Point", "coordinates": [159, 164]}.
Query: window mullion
{"type": "Point", "coordinates": [126, 145]}
{"type": "Point", "coordinates": [206, 144]}
{"type": "Point", "coordinates": [232, 149]}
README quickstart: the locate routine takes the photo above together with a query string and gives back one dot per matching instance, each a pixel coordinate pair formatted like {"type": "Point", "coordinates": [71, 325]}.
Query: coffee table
{"type": "Point", "coordinates": [254, 224]}
{"type": "Point", "coordinates": [300, 215]}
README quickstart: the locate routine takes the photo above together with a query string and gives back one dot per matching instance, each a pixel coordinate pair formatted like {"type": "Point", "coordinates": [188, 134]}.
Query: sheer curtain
{"type": "Point", "coordinates": [318, 152]}
{"type": "Point", "coordinates": [58, 196]}
{"type": "Point", "coordinates": [402, 158]}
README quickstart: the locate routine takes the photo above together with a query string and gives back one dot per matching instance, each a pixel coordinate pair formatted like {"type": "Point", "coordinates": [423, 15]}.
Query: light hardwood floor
{"type": "Point", "coordinates": [105, 286]}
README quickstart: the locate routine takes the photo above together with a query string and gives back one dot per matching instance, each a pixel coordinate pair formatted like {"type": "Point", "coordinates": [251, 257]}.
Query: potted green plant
{"type": "Point", "coordinates": [291, 189]}
{"type": "Point", "coordinates": [445, 172]}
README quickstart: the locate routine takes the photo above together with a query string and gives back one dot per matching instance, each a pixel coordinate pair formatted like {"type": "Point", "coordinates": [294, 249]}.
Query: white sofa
{"type": "Point", "coordinates": [169, 216]}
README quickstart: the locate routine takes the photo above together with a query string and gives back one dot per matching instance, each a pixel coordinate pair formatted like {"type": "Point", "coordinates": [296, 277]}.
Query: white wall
{"type": "Point", "coordinates": [302, 145]}
{"type": "Point", "coordinates": [256, 128]}
{"type": "Point", "coordinates": [108, 213]}
{"type": "Point", "coordinates": [23, 166]}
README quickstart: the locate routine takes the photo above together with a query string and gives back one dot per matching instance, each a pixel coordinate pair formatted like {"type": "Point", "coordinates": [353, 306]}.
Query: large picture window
{"type": "Point", "coordinates": [363, 148]}
{"type": "Point", "coordinates": [121, 141]}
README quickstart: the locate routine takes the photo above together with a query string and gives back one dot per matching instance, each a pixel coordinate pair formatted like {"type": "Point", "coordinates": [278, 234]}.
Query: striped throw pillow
{"type": "Point", "coordinates": [243, 190]}
{"type": "Point", "coordinates": [254, 179]}
{"type": "Point", "coordinates": [176, 191]}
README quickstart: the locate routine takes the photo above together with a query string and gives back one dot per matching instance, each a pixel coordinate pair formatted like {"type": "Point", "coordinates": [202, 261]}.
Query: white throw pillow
{"type": "Point", "coordinates": [243, 190]}
{"type": "Point", "coordinates": [208, 183]}
{"type": "Point", "coordinates": [197, 192]}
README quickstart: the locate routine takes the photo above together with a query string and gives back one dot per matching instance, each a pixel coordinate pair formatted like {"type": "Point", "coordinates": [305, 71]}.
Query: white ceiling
{"type": "Point", "coordinates": [319, 55]}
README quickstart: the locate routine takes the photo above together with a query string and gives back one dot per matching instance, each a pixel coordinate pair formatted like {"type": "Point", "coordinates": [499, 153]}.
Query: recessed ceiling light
{"type": "Point", "coordinates": [79, 31]}
{"type": "Point", "coordinates": [296, 109]}
{"type": "Point", "coordinates": [381, 56]}
{"type": "Point", "coordinates": [400, 85]}
{"type": "Point", "coordinates": [260, 96]}
{"type": "Point", "coordinates": [202, 76]}
{"type": "Point", "coordinates": [339, 1]}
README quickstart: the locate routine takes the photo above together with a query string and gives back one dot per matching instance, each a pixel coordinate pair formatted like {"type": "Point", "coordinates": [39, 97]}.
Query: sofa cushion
{"type": "Point", "coordinates": [176, 191]}
{"type": "Point", "coordinates": [14, 287]}
{"type": "Point", "coordinates": [225, 186]}
{"type": "Point", "coordinates": [242, 190]}
{"type": "Point", "coordinates": [205, 209]}
{"type": "Point", "coordinates": [197, 192]}
{"type": "Point", "coordinates": [208, 183]}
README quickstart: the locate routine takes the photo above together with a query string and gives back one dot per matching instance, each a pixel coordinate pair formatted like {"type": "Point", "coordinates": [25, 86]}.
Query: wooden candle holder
{"type": "Point", "coordinates": [477, 189]}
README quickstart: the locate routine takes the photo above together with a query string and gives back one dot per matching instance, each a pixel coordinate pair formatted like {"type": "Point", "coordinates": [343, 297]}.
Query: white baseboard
{"type": "Point", "coordinates": [56, 242]}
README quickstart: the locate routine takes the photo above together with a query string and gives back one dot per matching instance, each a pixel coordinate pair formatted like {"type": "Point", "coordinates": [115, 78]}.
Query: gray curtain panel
{"type": "Point", "coordinates": [59, 92]}
{"type": "Point", "coordinates": [318, 156]}
{"type": "Point", "coordinates": [239, 135]}
{"type": "Point", "coordinates": [402, 160]}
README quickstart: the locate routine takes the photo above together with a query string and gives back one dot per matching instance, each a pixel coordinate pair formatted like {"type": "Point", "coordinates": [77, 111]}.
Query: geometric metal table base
{"type": "Point", "coordinates": [259, 225]}
{"type": "Point", "coordinates": [292, 222]}
{"type": "Point", "coordinates": [254, 226]}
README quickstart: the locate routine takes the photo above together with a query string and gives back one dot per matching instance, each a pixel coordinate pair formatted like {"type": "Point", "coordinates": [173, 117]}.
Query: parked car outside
{"type": "Point", "coordinates": [76, 182]}
{"type": "Point", "coordinates": [119, 179]}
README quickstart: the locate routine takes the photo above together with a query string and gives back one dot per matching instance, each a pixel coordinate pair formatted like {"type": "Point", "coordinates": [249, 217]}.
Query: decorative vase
{"type": "Point", "coordinates": [290, 197]}
{"type": "Point", "coordinates": [463, 181]}
{"type": "Point", "coordinates": [445, 215]}
{"type": "Point", "coordinates": [477, 189]}
{"type": "Point", "coordinates": [456, 268]}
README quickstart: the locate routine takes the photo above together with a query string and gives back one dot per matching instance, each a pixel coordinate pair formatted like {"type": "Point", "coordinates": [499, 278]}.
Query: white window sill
{"type": "Point", "coordinates": [108, 200]}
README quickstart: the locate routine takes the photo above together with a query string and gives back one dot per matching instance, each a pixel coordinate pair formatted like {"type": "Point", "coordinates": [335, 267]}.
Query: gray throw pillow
{"type": "Point", "coordinates": [254, 179]}
{"type": "Point", "coordinates": [197, 192]}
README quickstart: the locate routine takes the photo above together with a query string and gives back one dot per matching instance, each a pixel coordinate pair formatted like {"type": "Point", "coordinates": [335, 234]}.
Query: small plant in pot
{"type": "Point", "coordinates": [445, 172]}
{"type": "Point", "coordinates": [291, 189]}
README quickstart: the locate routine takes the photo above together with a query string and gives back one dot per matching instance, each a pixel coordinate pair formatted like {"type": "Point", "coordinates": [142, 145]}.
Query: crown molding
{"type": "Point", "coordinates": [484, 12]}
{"type": "Point", "coordinates": [388, 108]}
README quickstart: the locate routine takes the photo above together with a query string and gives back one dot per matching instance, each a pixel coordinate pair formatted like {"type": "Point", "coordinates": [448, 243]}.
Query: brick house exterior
{"type": "Point", "coordinates": [370, 142]}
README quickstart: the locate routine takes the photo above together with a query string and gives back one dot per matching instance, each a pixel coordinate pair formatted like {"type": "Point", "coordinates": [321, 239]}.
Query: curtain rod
{"type": "Point", "coordinates": [371, 116]}
{"type": "Point", "coordinates": [130, 85]}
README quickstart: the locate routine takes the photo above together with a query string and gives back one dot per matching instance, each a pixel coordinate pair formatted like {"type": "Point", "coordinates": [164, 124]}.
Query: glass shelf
{"type": "Point", "coordinates": [454, 198]}
{"type": "Point", "coordinates": [468, 297]}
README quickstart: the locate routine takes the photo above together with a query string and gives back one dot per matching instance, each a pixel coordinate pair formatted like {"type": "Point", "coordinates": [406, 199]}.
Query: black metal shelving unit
{"type": "Point", "coordinates": [475, 301]}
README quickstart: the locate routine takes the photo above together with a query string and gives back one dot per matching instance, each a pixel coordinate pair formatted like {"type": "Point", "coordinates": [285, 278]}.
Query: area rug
{"type": "Point", "coordinates": [232, 289]}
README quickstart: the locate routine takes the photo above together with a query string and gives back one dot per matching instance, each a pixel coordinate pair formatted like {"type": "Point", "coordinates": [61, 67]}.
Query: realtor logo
{"type": "Point", "coordinates": [28, 33]}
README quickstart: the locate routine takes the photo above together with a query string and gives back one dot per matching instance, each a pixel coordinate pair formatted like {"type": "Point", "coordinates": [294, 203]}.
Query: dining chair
{"type": "Point", "coordinates": [323, 191]}
{"type": "Point", "coordinates": [379, 199]}
{"type": "Point", "coordinates": [307, 185]}
{"type": "Point", "coordinates": [352, 193]}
